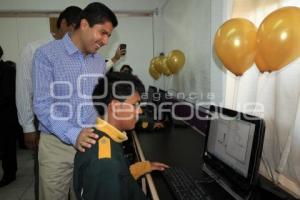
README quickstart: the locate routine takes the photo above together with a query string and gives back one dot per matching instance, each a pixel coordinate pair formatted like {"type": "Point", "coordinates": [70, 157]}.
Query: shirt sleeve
{"type": "Point", "coordinates": [109, 64]}
{"type": "Point", "coordinates": [24, 90]}
{"type": "Point", "coordinates": [139, 169]}
{"type": "Point", "coordinates": [43, 102]}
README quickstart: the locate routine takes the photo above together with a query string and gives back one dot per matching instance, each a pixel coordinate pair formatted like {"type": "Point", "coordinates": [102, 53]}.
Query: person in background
{"type": "Point", "coordinates": [126, 69]}
{"type": "Point", "coordinates": [66, 21]}
{"type": "Point", "coordinates": [118, 54]}
{"type": "Point", "coordinates": [102, 171]}
{"type": "Point", "coordinates": [8, 121]}
{"type": "Point", "coordinates": [65, 73]}
{"type": "Point", "coordinates": [24, 92]}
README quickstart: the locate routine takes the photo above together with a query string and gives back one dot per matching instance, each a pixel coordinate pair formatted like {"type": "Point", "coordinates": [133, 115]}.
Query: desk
{"type": "Point", "coordinates": [181, 147]}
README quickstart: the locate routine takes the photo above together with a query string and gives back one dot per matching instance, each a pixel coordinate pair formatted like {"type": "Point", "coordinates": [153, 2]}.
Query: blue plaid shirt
{"type": "Point", "coordinates": [63, 83]}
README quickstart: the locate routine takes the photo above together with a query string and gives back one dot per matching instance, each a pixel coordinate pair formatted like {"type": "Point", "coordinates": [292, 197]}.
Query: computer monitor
{"type": "Point", "coordinates": [233, 150]}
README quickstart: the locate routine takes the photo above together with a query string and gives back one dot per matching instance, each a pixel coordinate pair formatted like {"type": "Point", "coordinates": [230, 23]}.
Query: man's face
{"type": "Point", "coordinates": [127, 112]}
{"type": "Point", "coordinates": [63, 29]}
{"type": "Point", "coordinates": [93, 38]}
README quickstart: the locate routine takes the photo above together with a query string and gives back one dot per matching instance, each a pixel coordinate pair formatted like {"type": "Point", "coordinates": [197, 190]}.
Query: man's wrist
{"type": "Point", "coordinates": [114, 59]}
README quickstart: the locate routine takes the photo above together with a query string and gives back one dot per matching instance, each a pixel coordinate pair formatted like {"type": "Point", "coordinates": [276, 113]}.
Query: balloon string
{"type": "Point", "coordinates": [168, 82]}
{"type": "Point", "coordinates": [260, 88]}
{"type": "Point", "coordinates": [235, 93]}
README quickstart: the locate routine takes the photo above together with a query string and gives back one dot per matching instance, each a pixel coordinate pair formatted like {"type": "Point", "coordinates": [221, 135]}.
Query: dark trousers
{"type": "Point", "coordinates": [9, 153]}
{"type": "Point", "coordinates": [36, 175]}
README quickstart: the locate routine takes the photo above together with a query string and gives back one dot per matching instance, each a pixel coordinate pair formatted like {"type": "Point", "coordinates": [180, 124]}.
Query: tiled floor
{"type": "Point", "coordinates": [23, 187]}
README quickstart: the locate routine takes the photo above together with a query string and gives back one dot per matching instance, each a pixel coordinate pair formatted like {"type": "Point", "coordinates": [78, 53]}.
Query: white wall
{"type": "Point", "coordinates": [136, 32]}
{"type": "Point", "coordinates": [190, 26]}
{"type": "Point", "coordinates": [17, 32]}
{"type": "Point", "coordinates": [187, 28]}
{"type": "Point", "coordinates": [220, 12]}
{"type": "Point", "coordinates": [8, 44]}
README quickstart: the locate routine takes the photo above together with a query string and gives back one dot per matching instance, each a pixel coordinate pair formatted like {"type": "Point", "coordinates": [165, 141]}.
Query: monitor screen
{"type": "Point", "coordinates": [231, 142]}
{"type": "Point", "coordinates": [233, 147]}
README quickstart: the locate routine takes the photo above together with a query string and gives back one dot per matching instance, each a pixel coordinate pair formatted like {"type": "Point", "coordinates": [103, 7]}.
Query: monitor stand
{"type": "Point", "coordinates": [223, 183]}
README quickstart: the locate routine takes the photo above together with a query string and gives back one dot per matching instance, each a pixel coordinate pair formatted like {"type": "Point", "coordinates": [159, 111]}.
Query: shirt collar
{"type": "Point", "coordinates": [70, 46]}
{"type": "Point", "coordinates": [111, 131]}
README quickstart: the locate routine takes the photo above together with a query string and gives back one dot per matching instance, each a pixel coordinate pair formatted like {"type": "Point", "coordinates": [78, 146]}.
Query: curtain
{"type": "Point", "coordinates": [276, 96]}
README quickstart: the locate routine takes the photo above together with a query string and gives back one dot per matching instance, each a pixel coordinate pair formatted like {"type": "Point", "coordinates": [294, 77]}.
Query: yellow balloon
{"type": "Point", "coordinates": [155, 62]}
{"type": "Point", "coordinates": [175, 61]}
{"type": "Point", "coordinates": [278, 38]}
{"type": "Point", "coordinates": [164, 66]}
{"type": "Point", "coordinates": [160, 64]}
{"type": "Point", "coordinates": [235, 45]}
{"type": "Point", "coordinates": [261, 63]}
{"type": "Point", "coordinates": [152, 71]}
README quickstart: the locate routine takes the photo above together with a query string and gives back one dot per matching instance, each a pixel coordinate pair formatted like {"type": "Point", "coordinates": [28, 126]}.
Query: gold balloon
{"type": "Point", "coordinates": [235, 45]}
{"type": "Point", "coordinates": [278, 38]}
{"type": "Point", "coordinates": [261, 63]}
{"type": "Point", "coordinates": [164, 66]}
{"type": "Point", "coordinates": [175, 61]}
{"type": "Point", "coordinates": [155, 62]}
{"type": "Point", "coordinates": [152, 71]}
{"type": "Point", "coordinates": [160, 64]}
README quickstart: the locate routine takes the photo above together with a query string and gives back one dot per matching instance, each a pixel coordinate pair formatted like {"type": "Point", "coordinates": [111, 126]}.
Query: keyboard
{"type": "Point", "coordinates": [183, 186]}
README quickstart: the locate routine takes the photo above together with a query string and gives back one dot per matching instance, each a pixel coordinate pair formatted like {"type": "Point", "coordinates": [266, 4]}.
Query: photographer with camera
{"type": "Point", "coordinates": [121, 51]}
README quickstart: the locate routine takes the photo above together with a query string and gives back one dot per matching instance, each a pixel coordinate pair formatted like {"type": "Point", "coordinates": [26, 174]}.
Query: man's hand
{"type": "Point", "coordinates": [119, 53]}
{"type": "Point", "coordinates": [85, 139]}
{"type": "Point", "coordinates": [31, 140]}
{"type": "Point", "coordinates": [158, 166]}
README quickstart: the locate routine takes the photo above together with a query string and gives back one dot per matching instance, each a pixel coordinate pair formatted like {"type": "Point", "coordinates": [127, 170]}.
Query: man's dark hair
{"type": "Point", "coordinates": [70, 14]}
{"type": "Point", "coordinates": [127, 68]}
{"type": "Point", "coordinates": [1, 52]}
{"type": "Point", "coordinates": [123, 88]}
{"type": "Point", "coordinates": [97, 13]}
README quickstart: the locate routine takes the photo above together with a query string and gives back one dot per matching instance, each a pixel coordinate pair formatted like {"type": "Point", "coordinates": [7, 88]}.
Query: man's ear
{"type": "Point", "coordinates": [63, 24]}
{"type": "Point", "coordinates": [84, 24]}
